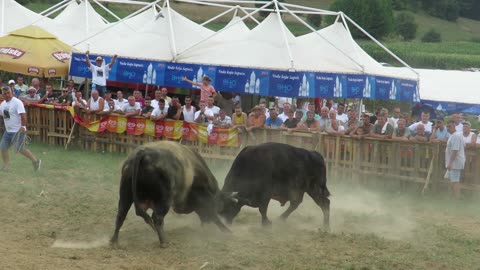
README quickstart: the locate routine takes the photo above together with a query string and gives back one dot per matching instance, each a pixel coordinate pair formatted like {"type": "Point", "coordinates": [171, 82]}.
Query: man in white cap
{"type": "Point", "coordinates": [99, 73]}
{"type": "Point", "coordinates": [11, 84]}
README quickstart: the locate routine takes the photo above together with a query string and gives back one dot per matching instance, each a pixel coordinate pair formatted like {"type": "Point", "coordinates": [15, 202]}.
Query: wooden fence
{"type": "Point", "coordinates": [346, 157]}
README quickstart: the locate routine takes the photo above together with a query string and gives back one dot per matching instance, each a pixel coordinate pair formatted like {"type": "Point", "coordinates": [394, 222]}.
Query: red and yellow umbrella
{"type": "Point", "coordinates": [34, 51]}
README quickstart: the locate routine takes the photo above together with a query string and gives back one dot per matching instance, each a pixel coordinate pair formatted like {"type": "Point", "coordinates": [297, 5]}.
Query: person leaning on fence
{"type": "Point", "coordinates": [239, 119]}
{"type": "Point", "coordinates": [364, 129]}
{"type": "Point", "coordinates": [159, 113]}
{"type": "Point", "coordinates": [334, 126]}
{"type": "Point", "coordinates": [15, 119]}
{"type": "Point", "coordinates": [256, 119]}
{"type": "Point", "coordinates": [96, 103]}
{"type": "Point", "coordinates": [469, 137]}
{"type": "Point", "coordinates": [420, 134]}
{"type": "Point", "coordinates": [273, 122]}
{"type": "Point", "coordinates": [110, 107]}
{"type": "Point", "coordinates": [309, 124]}
{"type": "Point", "coordinates": [382, 129]}
{"type": "Point", "coordinates": [425, 121]}
{"type": "Point", "coordinates": [223, 120]}
{"type": "Point", "coordinates": [20, 87]}
{"type": "Point", "coordinates": [132, 108]}
{"type": "Point", "coordinates": [454, 158]}
{"type": "Point", "coordinates": [204, 115]}
{"type": "Point", "coordinates": [175, 111]}
{"type": "Point", "coordinates": [401, 132]}
{"type": "Point", "coordinates": [147, 108]}
{"type": "Point", "coordinates": [188, 110]}
{"type": "Point", "coordinates": [440, 133]}
{"type": "Point", "coordinates": [31, 96]}
{"type": "Point", "coordinates": [79, 102]}
{"type": "Point", "coordinates": [65, 99]}
{"type": "Point", "coordinates": [99, 72]}
{"type": "Point", "coordinates": [291, 122]}
{"type": "Point", "coordinates": [49, 97]}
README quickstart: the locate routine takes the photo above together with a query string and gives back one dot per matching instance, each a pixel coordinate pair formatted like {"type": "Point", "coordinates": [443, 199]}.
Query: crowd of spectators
{"type": "Point", "coordinates": [333, 119]}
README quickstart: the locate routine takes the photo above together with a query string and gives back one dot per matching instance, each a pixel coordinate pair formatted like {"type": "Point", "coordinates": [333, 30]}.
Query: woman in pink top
{"type": "Point", "coordinates": [206, 90]}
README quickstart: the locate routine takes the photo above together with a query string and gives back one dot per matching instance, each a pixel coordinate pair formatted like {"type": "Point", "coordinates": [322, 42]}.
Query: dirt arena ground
{"type": "Point", "coordinates": [63, 217]}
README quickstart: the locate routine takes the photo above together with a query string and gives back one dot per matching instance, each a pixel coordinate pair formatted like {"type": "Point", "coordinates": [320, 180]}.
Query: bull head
{"type": "Point", "coordinates": [229, 204]}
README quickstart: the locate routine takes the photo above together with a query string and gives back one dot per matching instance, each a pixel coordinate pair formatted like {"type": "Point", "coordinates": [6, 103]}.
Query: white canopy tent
{"type": "Point", "coordinates": [269, 45]}
{"type": "Point", "coordinates": [152, 41]}
{"type": "Point", "coordinates": [14, 16]}
{"type": "Point", "coordinates": [450, 86]}
{"type": "Point", "coordinates": [75, 22]}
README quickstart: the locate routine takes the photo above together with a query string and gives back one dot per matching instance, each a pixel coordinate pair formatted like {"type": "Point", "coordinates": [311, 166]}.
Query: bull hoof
{"type": "Point", "coordinates": [325, 229]}
{"type": "Point", "coordinates": [163, 245]}
{"type": "Point", "coordinates": [266, 223]}
{"type": "Point", "coordinates": [114, 244]}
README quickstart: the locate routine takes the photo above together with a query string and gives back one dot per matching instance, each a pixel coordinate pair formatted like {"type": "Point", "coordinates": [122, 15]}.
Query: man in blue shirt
{"type": "Point", "coordinates": [273, 121]}
{"type": "Point", "coordinates": [440, 132]}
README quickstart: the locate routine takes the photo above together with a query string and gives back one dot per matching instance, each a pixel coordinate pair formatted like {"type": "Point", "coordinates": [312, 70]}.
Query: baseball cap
{"type": "Point", "coordinates": [32, 89]}
{"type": "Point", "coordinates": [11, 81]}
{"type": "Point", "coordinates": [466, 123]}
{"type": "Point", "coordinates": [99, 58]}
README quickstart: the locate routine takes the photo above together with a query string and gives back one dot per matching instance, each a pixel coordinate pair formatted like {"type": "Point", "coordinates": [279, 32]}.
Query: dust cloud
{"type": "Point", "coordinates": [102, 242]}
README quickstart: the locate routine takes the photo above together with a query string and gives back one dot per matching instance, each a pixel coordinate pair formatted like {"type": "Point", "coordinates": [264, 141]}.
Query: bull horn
{"type": "Point", "coordinates": [234, 194]}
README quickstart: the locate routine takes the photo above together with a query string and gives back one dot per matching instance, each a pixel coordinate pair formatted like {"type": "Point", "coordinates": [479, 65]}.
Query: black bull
{"type": "Point", "coordinates": [166, 174]}
{"type": "Point", "coordinates": [275, 171]}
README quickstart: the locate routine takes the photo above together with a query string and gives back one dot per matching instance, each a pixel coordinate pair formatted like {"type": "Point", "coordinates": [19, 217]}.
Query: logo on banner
{"type": "Point", "coordinates": [52, 71]}
{"type": "Point", "coordinates": [15, 53]}
{"type": "Point", "coordinates": [131, 125]}
{"type": "Point", "coordinates": [393, 91]}
{"type": "Point", "coordinates": [140, 125]}
{"type": "Point", "coordinates": [159, 128]}
{"type": "Point", "coordinates": [61, 56]}
{"type": "Point", "coordinates": [33, 70]}
{"type": "Point", "coordinates": [367, 90]}
{"type": "Point", "coordinates": [168, 128]}
{"type": "Point", "coordinates": [185, 130]}
{"type": "Point", "coordinates": [103, 124]}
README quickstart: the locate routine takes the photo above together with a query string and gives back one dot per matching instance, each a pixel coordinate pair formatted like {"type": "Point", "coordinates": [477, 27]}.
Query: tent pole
{"type": "Point", "coordinates": [51, 12]}
{"type": "Point", "coordinates": [381, 45]}
{"type": "Point", "coordinates": [62, 4]}
{"type": "Point", "coordinates": [318, 34]}
{"type": "Point", "coordinates": [244, 11]}
{"type": "Point", "coordinates": [171, 32]}
{"type": "Point", "coordinates": [221, 30]}
{"type": "Point", "coordinates": [115, 23]}
{"type": "Point", "coordinates": [86, 17]}
{"type": "Point", "coordinates": [220, 15]}
{"type": "Point", "coordinates": [107, 10]}
{"type": "Point", "coordinates": [282, 27]}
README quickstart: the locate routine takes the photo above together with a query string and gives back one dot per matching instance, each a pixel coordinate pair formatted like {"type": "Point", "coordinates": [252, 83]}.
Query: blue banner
{"type": "Point", "coordinates": [254, 81]}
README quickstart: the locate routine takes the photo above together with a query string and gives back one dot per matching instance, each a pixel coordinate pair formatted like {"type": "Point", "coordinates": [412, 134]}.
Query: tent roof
{"type": "Point", "coordinates": [152, 41]}
{"type": "Point", "coordinates": [34, 32]}
{"type": "Point", "coordinates": [449, 85]}
{"type": "Point", "coordinates": [16, 16]}
{"type": "Point", "coordinates": [72, 24]}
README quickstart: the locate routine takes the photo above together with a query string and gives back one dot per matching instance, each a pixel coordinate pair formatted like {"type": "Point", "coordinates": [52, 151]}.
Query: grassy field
{"type": "Point", "coordinates": [62, 218]}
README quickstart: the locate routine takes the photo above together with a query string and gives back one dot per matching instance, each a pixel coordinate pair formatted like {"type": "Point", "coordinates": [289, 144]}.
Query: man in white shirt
{"type": "Point", "coordinates": [454, 158]}
{"type": "Point", "coordinates": [204, 115]}
{"type": "Point", "coordinates": [161, 94]}
{"type": "Point", "coordinates": [395, 117]}
{"type": "Point", "coordinates": [286, 110]}
{"type": "Point", "coordinates": [120, 101]}
{"type": "Point", "coordinates": [132, 108]}
{"type": "Point", "coordinates": [458, 122]}
{"type": "Point", "coordinates": [160, 113]}
{"type": "Point", "coordinates": [99, 73]}
{"type": "Point", "coordinates": [212, 107]}
{"type": "Point", "coordinates": [341, 115]}
{"type": "Point", "coordinates": [425, 122]}
{"type": "Point", "coordinates": [15, 119]}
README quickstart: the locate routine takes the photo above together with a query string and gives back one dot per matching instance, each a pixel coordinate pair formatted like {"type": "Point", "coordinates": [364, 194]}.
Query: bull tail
{"type": "Point", "coordinates": [323, 175]}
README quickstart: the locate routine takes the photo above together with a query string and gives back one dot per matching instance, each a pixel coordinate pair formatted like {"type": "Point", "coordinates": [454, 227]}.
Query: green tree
{"type": "Point", "coordinates": [432, 36]}
{"type": "Point", "coordinates": [375, 16]}
{"type": "Point", "coordinates": [314, 20]}
{"type": "Point", "coordinates": [406, 26]}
